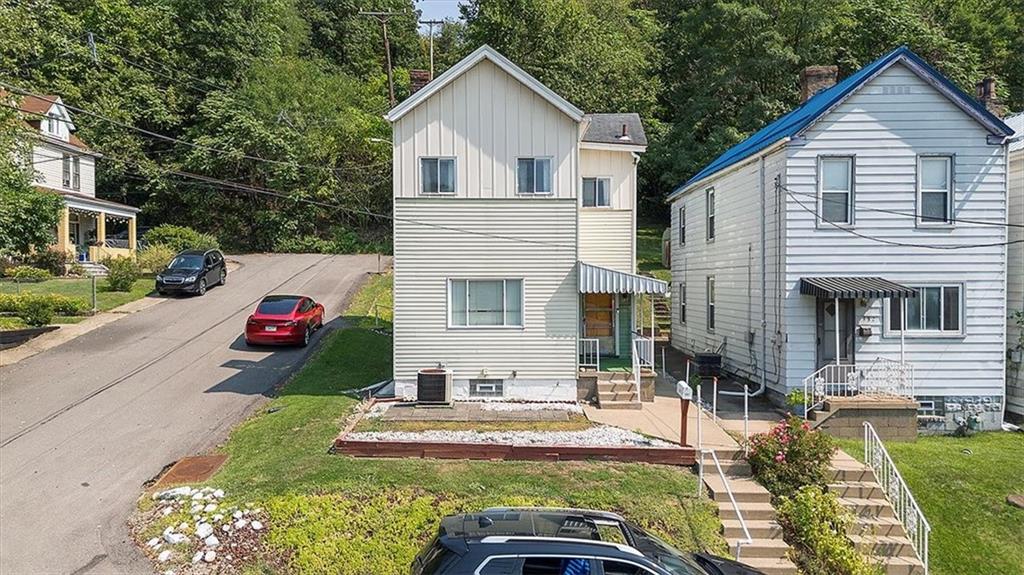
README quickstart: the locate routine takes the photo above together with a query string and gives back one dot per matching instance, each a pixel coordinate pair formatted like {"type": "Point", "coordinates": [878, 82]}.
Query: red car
{"type": "Point", "coordinates": [284, 319]}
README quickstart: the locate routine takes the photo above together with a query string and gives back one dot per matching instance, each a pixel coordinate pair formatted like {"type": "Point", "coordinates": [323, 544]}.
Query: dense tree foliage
{"type": "Point", "coordinates": [28, 217]}
{"type": "Point", "coordinates": [287, 95]}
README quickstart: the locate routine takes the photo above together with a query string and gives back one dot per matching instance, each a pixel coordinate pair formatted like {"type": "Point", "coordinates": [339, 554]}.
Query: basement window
{"type": "Point", "coordinates": [486, 388]}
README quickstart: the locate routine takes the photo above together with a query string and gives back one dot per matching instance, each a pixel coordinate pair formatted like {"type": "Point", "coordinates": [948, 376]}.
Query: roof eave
{"type": "Point", "coordinates": [727, 169]}
{"type": "Point", "coordinates": [612, 147]}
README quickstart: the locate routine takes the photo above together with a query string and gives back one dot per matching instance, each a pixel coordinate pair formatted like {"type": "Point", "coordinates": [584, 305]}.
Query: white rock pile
{"type": "Point", "coordinates": [602, 436]}
{"type": "Point", "coordinates": [210, 517]}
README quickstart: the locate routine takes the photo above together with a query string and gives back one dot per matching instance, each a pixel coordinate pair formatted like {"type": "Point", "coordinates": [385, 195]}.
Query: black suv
{"type": "Point", "coordinates": [192, 271]}
{"type": "Point", "coordinates": [542, 541]}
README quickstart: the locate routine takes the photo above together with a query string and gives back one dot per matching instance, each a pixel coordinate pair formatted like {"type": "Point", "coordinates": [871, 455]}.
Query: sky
{"type": "Point", "coordinates": [438, 9]}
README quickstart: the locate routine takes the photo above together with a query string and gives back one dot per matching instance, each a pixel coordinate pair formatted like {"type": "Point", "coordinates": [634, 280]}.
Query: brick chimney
{"type": "Point", "coordinates": [418, 79]}
{"type": "Point", "coordinates": [985, 91]}
{"type": "Point", "coordinates": [814, 79]}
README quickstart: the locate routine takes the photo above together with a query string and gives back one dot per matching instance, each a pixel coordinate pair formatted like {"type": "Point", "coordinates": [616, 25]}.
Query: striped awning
{"type": "Point", "coordinates": [596, 279]}
{"type": "Point", "coordinates": [853, 287]}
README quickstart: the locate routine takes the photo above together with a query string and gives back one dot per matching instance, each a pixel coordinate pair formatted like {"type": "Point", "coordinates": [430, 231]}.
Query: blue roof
{"type": "Point", "coordinates": [804, 115]}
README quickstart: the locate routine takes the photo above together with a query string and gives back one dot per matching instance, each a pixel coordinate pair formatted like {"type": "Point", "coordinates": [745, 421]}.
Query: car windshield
{"type": "Point", "coordinates": [673, 561]}
{"type": "Point", "coordinates": [277, 306]}
{"type": "Point", "coordinates": [190, 262]}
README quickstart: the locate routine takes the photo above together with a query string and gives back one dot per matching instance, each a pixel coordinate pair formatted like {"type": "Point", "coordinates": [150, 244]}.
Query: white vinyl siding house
{"type": "Point", "coordinates": [895, 159]}
{"type": "Point", "coordinates": [490, 231]}
{"type": "Point", "coordinates": [1015, 271]}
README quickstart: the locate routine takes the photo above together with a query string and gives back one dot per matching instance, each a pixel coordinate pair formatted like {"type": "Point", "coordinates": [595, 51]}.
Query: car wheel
{"type": "Point", "coordinates": [202, 287]}
{"type": "Point", "coordinates": [305, 336]}
{"type": "Point", "coordinates": [223, 277]}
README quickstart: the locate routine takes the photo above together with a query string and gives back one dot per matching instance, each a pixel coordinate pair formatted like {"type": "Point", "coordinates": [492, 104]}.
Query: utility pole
{"type": "Point", "coordinates": [383, 18]}
{"type": "Point", "coordinates": [431, 23]}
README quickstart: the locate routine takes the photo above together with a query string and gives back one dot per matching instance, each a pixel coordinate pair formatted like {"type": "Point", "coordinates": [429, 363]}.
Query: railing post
{"type": "Point", "coordinates": [746, 420]}
{"type": "Point", "coordinates": [714, 398]}
{"type": "Point", "coordinates": [700, 432]}
{"type": "Point", "coordinates": [94, 306]}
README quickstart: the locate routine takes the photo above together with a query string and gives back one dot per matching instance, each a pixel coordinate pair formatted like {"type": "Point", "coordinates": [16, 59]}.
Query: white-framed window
{"type": "Point", "coordinates": [486, 388]}
{"type": "Point", "coordinates": [709, 199]}
{"type": "Point", "coordinates": [835, 189]}
{"type": "Point", "coordinates": [533, 175]}
{"type": "Point", "coordinates": [937, 309]}
{"type": "Point", "coordinates": [682, 302]}
{"type": "Point", "coordinates": [66, 170]}
{"type": "Point", "coordinates": [485, 303]}
{"type": "Point", "coordinates": [934, 190]}
{"type": "Point", "coordinates": [437, 176]}
{"type": "Point", "coordinates": [76, 174]}
{"type": "Point", "coordinates": [52, 124]}
{"type": "Point", "coordinates": [597, 192]}
{"type": "Point", "coordinates": [682, 225]}
{"type": "Point", "coordinates": [711, 302]}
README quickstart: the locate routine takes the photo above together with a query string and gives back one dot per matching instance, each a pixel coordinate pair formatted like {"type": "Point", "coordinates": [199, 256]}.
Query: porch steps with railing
{"type": "Point", "coordinates": [767, 552]}
{"type": "Point", "coordinates": [876, 532]}
{"type": "Point", "coordinates": [616, 390]}
{"type": "Point", "coordinates": [94, 269]}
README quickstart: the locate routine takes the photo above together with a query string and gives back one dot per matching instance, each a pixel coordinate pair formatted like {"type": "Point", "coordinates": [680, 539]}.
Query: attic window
{"type": "Point", "coordinates": [52, 124]}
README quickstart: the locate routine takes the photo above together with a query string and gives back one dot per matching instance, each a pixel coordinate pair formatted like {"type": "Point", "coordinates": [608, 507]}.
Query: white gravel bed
{"type": "Point", "coordinates": [600, 436]}
{"type": "Point", "coordinates": [516, 406]}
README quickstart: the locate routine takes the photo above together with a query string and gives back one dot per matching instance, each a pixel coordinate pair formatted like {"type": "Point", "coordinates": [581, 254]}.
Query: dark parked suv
{"type": "Point", "coordinates": [192, 271]}
{"type": "Point", "coordinates": [541, 541]}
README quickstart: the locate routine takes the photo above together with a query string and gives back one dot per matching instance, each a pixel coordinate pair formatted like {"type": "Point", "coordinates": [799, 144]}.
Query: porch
{"type": "Point", "coordinates": [93, 229]}
{"type": "Point", "coordinates": [616, 353]}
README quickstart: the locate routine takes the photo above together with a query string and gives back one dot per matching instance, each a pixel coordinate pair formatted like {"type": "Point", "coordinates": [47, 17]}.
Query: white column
{"type": "Point", "coordinates": [837, 330]}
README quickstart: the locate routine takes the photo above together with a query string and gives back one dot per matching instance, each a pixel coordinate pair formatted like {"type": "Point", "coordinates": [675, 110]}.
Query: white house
{"type": "Point", "coordinates": [514, 244]}
{"type": "Point", "coordinates": [63, 164]}
{"type": "Point", "coordinates": [1015, 267]}
{"type": "Point", "coordinates": [797, 251]}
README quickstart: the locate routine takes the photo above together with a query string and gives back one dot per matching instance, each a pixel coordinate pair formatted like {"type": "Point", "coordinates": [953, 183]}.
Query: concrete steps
{"type": "Point", "coordinates": [615, 404]}
{"type": "Point", "coordinates": [617, 391]}
{"type": "Point", "coordinates": [94, 269]}
{"type": "Point", "coordinates": [770, 565]}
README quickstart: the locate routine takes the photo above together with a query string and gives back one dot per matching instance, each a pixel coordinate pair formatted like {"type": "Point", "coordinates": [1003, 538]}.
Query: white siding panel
{"type": "Point", "coordinates": [1015, 287]}
{"type": "Point", "coordinates": [885, 130]}
{"type": "Point", "coordinates": [426, 255]}
{"type": "Point", "coordinates": [49, 166]}
{"type": "Point", "coordinates": [606, 238]}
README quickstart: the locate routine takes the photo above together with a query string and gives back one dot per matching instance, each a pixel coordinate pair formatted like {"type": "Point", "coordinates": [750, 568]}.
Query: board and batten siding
{"type": "Point", "coordinates": [537, 361]}
{"type": "Point", "coordinates": [734, 258]}
{"type": "Point", "coordinates": [485, 119]}
{"type": "Point", "coordinates": [607, 236]}
{"type": "Point", "coordinates": [49, 166]}
{"type": "Point", "coordinates": [885, 125]}
{"type": "Point", "coordinates": [1015, 284]}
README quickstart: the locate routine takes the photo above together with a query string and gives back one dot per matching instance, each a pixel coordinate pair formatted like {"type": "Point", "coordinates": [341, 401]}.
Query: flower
{"type": "Point", "coordinates": [779, 457]}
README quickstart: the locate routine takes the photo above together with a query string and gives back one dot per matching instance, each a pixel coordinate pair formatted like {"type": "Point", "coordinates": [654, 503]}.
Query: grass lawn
{"type": "Point", "coordinates": [338, 514]}
{"type": "Point", "coordinates": [82, 288]}
{"type": "Point", "coordinates": [974, 530]}
{"type": "Point", "coordinates": [648, 251]}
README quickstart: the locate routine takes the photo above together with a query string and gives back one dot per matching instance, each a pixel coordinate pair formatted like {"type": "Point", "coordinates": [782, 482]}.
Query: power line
{"type": "Point", "coordinates": [906, 214]}
{"type": "Point", "coordinates": [901, 244]}
{"type": "Point", "coordinates": [121, 49]}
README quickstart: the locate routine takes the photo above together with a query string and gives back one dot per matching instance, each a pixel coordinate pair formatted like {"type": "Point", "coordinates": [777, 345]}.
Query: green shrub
{"type": "Point", "coordinates": [796, 398]}
{"type": "Point", "coordinates": [341, 241]}
{"type": "Point", "coordinates": [9, 303]}
{"type": "Point", "coordinates": [66, 305]}
{"type": "Point", "coordinates": [61, 304]}
{"type": "Point", "coordinates": [52, 260]}
{"type": "Point", "coordinates": [179, 238]}
{"type": "Point", "coordinates": [122, 273]}
{"type": "Point", "coordinates": [791, 456]}
{"type": "Point", "coordinates": [28, 273]}
{"type": "Point", "coordinates": [76, 269]}
{"type": "Point", "coordinates": [155, 257]}
{"type": "Point", "coordinates": [815, 524]}
{"type": "Point", "coordinates": [37, 311]}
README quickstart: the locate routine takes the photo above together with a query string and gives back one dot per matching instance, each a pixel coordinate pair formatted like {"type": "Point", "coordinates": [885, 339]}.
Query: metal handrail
{"type": "Point", "coordinates": [883, 377]}
{"type": "Point", "coordinates": [747, 539]}
{"type": "Point", "coordinates": [636, 367]}
{"type": "Point", "coordinates": [876, 456]}
{"type": "Point", "coordinates": [590, 352]}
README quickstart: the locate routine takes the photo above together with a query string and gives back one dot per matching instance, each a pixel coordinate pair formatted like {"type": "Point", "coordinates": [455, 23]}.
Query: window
{"type": "Point", "coordinates": [499, 566]}
{"type": "Point", "coordinates": [621, 568]}
{"type": "Point", "coordinates": [597, 192]}
{"type": "Point", "coordinates": [556, 566]}
{"type": "Point", "coordinates": [486, 388]}
{"type": "Point", "coordinates": [711, 303]}
{"type": "Point", "coordinates": [935, 189]}
{"type": "Point", "coordinates": [935, 309]}
{"type": "Point", "coordinates": [437, 175]}
{"type": "Point", "coordinates": [709, 197]}
{"type": "Point", "coordinates": [52, 124]}
{"type": "Point", "coordinates": [534, 176]}
{"type": "Point", "coordinates": [682, 225]}
{"type": "Point", "coordinates": [66, 170]}
{"type": "Point", "coordinates": [486, 303]}
{"type": "Point", "coordinates": [682, 303]}
{"type": "Point", "coordinates": [76, 178]}
{"type": "Point", "coordinates": [836, 190]}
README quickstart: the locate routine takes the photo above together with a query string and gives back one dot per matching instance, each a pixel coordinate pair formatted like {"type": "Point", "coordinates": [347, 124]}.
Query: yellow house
{"type": "Point", "coordinates": [89, 227]}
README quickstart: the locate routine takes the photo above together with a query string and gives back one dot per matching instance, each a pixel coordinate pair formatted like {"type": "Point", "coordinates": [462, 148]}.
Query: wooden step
{"type": "Point", "coordinates": [877, 526]}
{"type": "Point", "coordinates": [759, 528]}
{"type": "Point", "coordinates": [900, 565]}
{"type": "Point", "coordinates": [867, 507]}
{"type": "Point", "coordinates": [884, 545]}
{"type": "Point", "coordinates": [858, 489]}
{"type": "Point", "coordinates": [771, 548]}
{"type": "Point", "coordinates": [769, 565]}
{"type": "Point", "coordinates": [752, 511]}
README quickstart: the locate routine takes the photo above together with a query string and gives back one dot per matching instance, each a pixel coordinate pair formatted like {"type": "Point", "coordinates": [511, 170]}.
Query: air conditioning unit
{"type": "Point", "coordinates": [434, 386]}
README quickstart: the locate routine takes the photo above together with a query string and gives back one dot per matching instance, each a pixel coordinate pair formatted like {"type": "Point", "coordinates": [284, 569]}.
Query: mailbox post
{"type": "Point", "coordinates": [685, 393]}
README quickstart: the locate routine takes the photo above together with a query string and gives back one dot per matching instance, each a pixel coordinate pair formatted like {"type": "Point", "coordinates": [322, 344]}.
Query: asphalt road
{"type": "Point", "coordinates": [85, 424]}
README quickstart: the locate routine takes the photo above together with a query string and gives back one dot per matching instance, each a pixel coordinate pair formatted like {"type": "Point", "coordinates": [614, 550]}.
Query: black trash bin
{"type": "Point", "coordinates": [708, 364]}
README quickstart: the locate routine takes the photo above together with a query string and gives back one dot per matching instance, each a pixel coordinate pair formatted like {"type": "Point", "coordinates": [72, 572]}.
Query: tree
{"type": "Point", "coordinates": [28, 217]}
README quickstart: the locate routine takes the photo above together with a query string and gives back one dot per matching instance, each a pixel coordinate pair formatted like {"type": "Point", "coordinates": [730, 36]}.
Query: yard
{"type": "Point", "coordinates": [961, 485]}
{"type": "Point", "coordinates": [80, 288]}
{"type": "Point", "coordinates": [332, 513]}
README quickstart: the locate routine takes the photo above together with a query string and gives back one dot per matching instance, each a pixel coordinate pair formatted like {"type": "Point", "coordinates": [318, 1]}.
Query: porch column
{"type": "Point", "coordinates": [63, 225]}
{"type": "Point", "coordinates": [903, 325]}
{"type": "Point", "coordinates": [131, 234]}
{"type": "Point", "coordinates": [101, 227]}
{"type": "Point", "coordinates": [836, 315]}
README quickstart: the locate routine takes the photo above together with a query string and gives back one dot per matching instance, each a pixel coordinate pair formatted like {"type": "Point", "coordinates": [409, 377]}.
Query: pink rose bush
{"type": "Point", "coordinates": [790, 456]}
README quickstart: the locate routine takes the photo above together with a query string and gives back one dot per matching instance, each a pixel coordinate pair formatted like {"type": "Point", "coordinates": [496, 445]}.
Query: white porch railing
{"type": "Point", "coordinates": [590, 353]}
{"type": "Point", "coordinates": [882, 378]}
{"type": "Point", "coordinates": [643, 348]}
{"type": "Point", "coordinates": [899, 495]}
{"type": "Point", "coordinates": [747, 539]}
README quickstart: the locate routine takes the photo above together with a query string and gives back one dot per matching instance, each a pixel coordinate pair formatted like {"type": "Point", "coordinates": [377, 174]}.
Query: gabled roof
{"type": "Point", "coordinates": [1016, 123]}
{"type": "Point", "coordinates": [484, 52]}
{"type": "Point", "coordinates": [607, 129]}
{"type": "Point", "coordinates": [799, 119]}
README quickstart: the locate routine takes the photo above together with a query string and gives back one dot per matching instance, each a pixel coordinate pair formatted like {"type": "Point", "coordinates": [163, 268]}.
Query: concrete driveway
{"type": "Point", "coordinates": [85, 424]}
